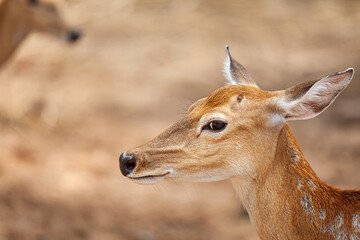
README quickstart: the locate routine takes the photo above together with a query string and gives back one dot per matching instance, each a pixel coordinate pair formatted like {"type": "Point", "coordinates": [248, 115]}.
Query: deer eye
{"type": "Point", "coordinates": [33, 2]}
{"type": "Point", "coordinates": [215, 125]}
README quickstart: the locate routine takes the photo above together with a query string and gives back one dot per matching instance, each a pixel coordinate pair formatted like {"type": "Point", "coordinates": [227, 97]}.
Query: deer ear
{"type": "Point", "coordinates": [309, 99]}
{"type": "Point", "coordinates": [235, 73]}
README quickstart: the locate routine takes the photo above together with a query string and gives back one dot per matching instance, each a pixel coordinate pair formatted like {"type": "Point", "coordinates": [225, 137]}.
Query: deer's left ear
{"type": "Point", "coordinates": [235, 73]}
{"type": "Point", "coordinates": [309, 99]}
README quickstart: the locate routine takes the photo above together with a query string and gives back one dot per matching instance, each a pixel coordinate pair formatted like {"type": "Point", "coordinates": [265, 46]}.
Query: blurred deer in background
{"type": "Point", "coordinates": [240, 132]}
{"type": "Point", "coordinates": [18, 18]}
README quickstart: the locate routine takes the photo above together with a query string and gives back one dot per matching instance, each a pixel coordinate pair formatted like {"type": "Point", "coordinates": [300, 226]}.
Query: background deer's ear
{"type": "Point", "coordinates": [309, 99]}
{"type": "Point", "coordinates": [235, 73]}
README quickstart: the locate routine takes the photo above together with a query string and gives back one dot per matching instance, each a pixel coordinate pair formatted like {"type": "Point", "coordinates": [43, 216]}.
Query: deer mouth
{"type": "Point", "coordinates": [150, 179]}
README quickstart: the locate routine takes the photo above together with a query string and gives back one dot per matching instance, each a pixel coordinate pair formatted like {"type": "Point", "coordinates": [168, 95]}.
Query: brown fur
{"type": "Point", "coordinates": [278, 210]}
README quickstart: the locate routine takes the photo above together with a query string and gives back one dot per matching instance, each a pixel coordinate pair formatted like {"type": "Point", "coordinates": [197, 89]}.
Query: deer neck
{"type": "Point", "coordinates": [286, 200]}
{"type": "Point", "coordinates": [13, 29]}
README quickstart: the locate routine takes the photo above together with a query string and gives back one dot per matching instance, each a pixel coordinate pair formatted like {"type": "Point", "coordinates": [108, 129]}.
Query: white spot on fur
{"type": "Point", "coordinates": [295, 157]}
{"type": "Point", "coordinates": [330, 229]}
{"type": "Point", "coordinates": [356, 223]}
{"type": "Point", "coordinates": [335, 231]}
{"type": "Point", "coordinates": [306, 202]}
{"type": "Point", "coordinates": [339, 220]}
{"type": "Point", "coordinates": [354, 236]}
{"type": "Point", "coordinates": [322, 214]}
{"type": "Point", "coordinates": [312, 186]}
{"type": "Point", "coordinates": [322, 229]}
{"type": "Point", "coordinates": [340, 235]}
{"type": "Point", "coordinates": [299, 184]}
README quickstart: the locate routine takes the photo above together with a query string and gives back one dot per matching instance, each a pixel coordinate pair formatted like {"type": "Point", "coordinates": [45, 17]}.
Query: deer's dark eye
{"type": "Point", "coordinates": [216, 125]}
{"type": "Point", "coordinates": [33, 2]}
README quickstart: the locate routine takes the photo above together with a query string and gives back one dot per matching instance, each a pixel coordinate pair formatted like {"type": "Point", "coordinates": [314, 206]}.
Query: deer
{"type": "Point", "coordinates": [18, 18]}
{"type": "Point", "coordinates": [241, 132]}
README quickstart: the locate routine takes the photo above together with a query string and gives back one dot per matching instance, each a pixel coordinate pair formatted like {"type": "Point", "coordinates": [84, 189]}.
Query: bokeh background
{"type": "Point", "coordinates": [67, 112]}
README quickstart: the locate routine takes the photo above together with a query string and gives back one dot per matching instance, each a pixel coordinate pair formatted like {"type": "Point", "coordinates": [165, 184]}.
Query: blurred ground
{"type": "Point", "coordinates": [66, 113]}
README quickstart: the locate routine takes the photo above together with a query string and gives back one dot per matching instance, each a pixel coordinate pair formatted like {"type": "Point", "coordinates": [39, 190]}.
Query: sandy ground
{"type": "Point", "coordinates": [68, 112]}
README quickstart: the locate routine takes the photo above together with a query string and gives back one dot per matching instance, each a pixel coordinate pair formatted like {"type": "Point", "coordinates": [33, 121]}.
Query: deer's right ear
{"type": "Point", "coordinates": [235, 73]}
{"type": "Point", "coordinates": [309, 99]}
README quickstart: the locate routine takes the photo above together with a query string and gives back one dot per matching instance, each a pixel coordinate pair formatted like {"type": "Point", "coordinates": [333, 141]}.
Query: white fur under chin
{"type": "Point", "coordinates": [147, 180]}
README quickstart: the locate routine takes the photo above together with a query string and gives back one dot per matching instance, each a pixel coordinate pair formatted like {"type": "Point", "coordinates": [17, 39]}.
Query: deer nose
{"type": "Point", "coordinates": [74, 35]}
{"type": "Point", "coordinates": [127, 163]}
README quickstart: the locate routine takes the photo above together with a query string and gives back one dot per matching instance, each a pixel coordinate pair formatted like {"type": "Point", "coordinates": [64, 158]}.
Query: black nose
{"type": "Point", "coordinates": [74, 35]}
{"type": "Point", "coordinates": [127, 163]}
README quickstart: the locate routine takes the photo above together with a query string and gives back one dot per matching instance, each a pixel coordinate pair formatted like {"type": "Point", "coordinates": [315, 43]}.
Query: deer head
{"type": "Point", "coordinates": [232, 132]}
{"type": "Point", "coordinates": [43, 16]}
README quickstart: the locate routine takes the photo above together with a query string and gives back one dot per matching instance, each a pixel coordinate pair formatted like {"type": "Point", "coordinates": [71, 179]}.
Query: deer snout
{"type": "Point", "coordinates": [74, 35]}
{"type": "Point", "coordinates": [127, 163]}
